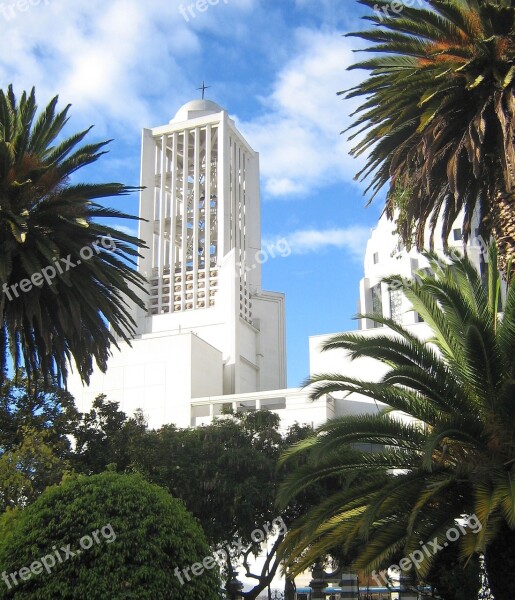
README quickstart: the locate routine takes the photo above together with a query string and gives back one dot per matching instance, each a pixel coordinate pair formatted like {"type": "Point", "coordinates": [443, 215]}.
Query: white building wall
{"type": "Point", "coordinates": [269, 319]}
{"type": "Point", "coordinates": [292, 405]}
{"type": "Point", "coordinates": [338, 361]}
{"type": "Point", "coordinates": [206, 370]}
{"type": "Point", "coordinates": [158, 374]}
{"type": "Point", "coordinates": [201, 221]}
{"type": "Point", "coordinates": [385, 255]}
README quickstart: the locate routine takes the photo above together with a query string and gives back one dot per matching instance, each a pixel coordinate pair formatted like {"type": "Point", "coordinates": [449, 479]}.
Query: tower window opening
{"type": "Point", "coordinates": [377, 301]}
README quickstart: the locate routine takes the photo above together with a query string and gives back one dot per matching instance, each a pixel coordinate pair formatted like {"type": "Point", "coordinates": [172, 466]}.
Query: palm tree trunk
{"type": "Point", "coordinates": [503, 210]}
{"type": "Point", "coordinates": [500, 564]}
{"type": "Point", "coordinates": [503, 228]}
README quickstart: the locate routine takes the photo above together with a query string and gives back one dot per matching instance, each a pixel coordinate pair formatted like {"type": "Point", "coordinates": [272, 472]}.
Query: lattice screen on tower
{"type": "Point", "coordinates": [185, 239]}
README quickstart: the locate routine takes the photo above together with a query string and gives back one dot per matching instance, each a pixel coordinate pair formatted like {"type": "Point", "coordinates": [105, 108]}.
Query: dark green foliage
{"type": "Point", "coordinates": [500, 563]}
{"type": "Point", "coordinates": [106, 436]}
{"type": "Point", "coordinates": [226, 474]}
{"type": "Point", "coordinates": [29, 404]}
{"type": "Point", "coordinates": [35, 449]}
{"type": "Point", "coordinates": [438, 113]}
{"type": "Point", "coordinates": [452, 579]}
{"type": "Point", "coordinates": [144, 535]}
{"type": "Point", "coordinates": [454, 457]}
{"type": "Point", "coordinates": [45, 219]}
{"type": "Point", "coordinates": [28, 468]}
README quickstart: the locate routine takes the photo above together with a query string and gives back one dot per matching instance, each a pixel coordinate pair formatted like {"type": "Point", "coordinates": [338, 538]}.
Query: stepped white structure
{"type": "Point", "coordinates": [385, 255]}
{"type": "Point", "coordinates": [209, 329]}
{"type": "Point", "coordinates": [210, 337]}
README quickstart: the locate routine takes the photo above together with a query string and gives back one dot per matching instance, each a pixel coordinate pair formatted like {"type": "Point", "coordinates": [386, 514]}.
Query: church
{"type": "Point", "coordinates": [211, 338]}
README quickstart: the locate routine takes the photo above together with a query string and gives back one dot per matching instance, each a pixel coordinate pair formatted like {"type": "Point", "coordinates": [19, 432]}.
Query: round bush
{"type": "Point", "coordinates": [129, 539]}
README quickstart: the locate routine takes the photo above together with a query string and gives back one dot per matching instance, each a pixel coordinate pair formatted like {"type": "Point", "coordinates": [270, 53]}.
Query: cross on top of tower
{"type": "Point", "coordinates": [203, 88]}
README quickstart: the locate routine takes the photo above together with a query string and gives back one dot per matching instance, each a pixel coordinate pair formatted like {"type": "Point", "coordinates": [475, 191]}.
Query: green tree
{"type": "Point", "coordinates": [226, 474]}
{"type": "Point", "coordinates": [51, 315]}
{"type": "Point", "coordinates": [452, 579]}
{"type": "Point", "coordinates": [438, 119]}
{"type": "Point", "coordinates": [29, 404]}
{"type": "Point", "coordinates": [35, 428]}
{"type": "Point", "coordinates": [107, 436]}
{"type": "Point", "coordinates": [28, 468]}
{"type": "Point", "coordinates": [142, 536]}
{"type": "Point", "coordinates": [455, 457]}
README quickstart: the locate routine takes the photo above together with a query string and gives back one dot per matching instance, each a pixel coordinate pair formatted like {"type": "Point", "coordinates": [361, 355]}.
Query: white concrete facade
{"type": "Point", "coordinates": [210, 337]}
{"type": "Point", "coordinates": [384, 256]}
{"type": "Point", "coordinates": [202, 224]}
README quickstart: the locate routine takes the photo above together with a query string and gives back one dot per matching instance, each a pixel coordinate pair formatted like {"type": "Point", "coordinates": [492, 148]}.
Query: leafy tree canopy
{"type": "Point", "coordinates": [142, 536]}
{"type": "Point", "coordinates": [453, 458]}
{"type": "Point", "coordinates": [66, 279]}
{"type": "Point", "coordinates": [437, 119]}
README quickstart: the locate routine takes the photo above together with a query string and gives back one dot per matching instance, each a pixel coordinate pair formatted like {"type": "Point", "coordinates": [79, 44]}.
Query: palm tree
{"type": "Point", "coordinates": [56, 307]}
{"type": "Point", "coordinates": [438, 119]}
{"type": "Point", "coordinates": [455, 455]}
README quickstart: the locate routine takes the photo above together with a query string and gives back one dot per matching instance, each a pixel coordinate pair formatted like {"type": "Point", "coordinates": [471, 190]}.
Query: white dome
{"type": "Point", "coordinates": [195, 109]}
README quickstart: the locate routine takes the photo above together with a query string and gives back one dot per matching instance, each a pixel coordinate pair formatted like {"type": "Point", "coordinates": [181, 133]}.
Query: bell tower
{"type": "Point", "coordinates": [201, 203]}
{"type": "Point", "coordinates": [208, 328]}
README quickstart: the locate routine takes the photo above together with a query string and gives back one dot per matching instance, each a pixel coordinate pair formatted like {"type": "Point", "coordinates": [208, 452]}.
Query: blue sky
{"type": "Point", "coordinates": [275, 65]}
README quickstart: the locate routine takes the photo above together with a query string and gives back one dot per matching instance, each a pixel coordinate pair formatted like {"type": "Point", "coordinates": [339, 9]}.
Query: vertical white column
{"type": "Point", "coordinates": [156, 215]}
{"type": "Point", "coordinates": [252, 220]}
{"type": "Point", "coordinates": [224, 209]}
{"type": "Point", "coordinates": [196, 200]}
{"type": "Point", "coordinates": [162, 211]}
{"type": "Point", "coordinates": [185, 191]}
{"type": "Point", "coordinates": [207, 215]}
{"type": "Point", "coordinates": [146, 207]}
{"type": "Point", "coordinates": [244, 239]}
{"type": "Point", "coordinates": [173, 219]}
{"type": "Point", "coordinates": [234, 193]}
{"type": "Point", "coordinates": [237, 199]}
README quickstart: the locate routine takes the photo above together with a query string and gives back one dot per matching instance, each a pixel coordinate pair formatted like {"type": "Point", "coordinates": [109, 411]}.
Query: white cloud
{"type": "Point", "coordinates": [125, 64]}
{"type": "Point", "coordinates": [352, 240]}
{"type": "Point", "coordinates": [298, 135]}
{"type": "Point", "coordinates": [117, 62]}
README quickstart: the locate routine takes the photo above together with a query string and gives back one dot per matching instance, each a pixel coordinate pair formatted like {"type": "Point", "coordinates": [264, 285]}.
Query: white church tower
{"type": "Point", "coordinates": [209, 328]}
